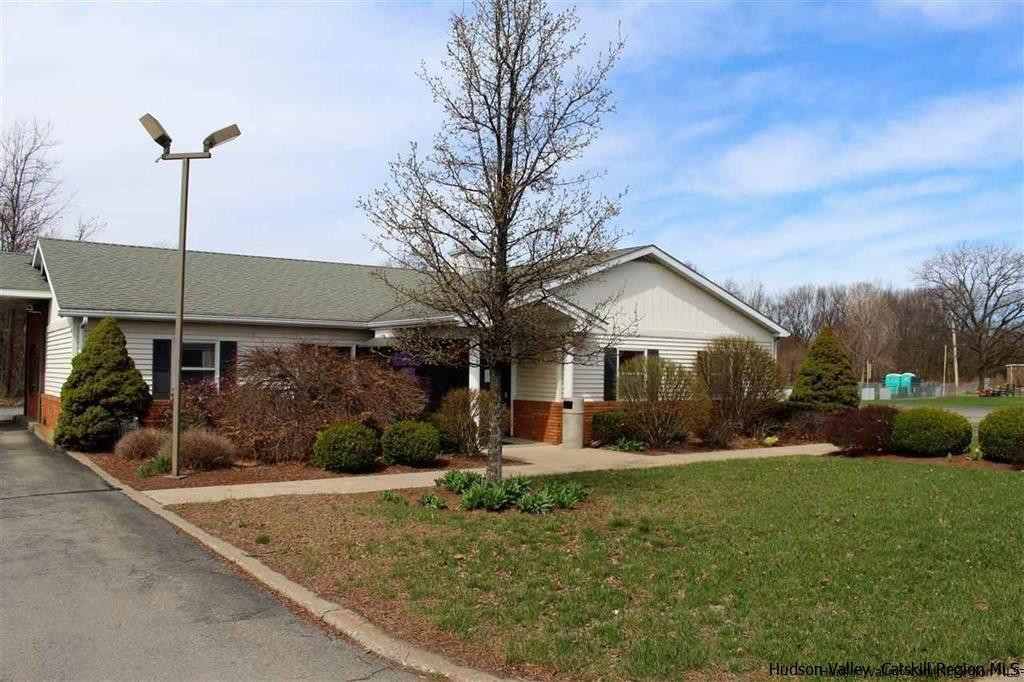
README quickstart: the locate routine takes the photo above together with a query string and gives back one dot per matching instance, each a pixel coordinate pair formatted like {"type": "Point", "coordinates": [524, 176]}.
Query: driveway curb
{"type": "Point", "coordinates": [344, 620]}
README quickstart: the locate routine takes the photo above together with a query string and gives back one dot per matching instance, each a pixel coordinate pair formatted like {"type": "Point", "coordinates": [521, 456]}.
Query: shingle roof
{"type": "Point", "coordinates": [121, 278]}
{"type": "Point", "coordinates": [16, 272]}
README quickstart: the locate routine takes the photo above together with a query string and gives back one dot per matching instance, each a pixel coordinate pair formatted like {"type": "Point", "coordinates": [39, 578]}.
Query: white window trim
{"type": "Point", "coordinates": [216, 354]}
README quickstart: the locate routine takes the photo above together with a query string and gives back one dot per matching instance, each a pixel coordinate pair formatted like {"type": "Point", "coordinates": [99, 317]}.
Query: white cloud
{"type": "Point", "coordinates": [953, 14]}
{"type": "Point", "coordinates": [976, 131]}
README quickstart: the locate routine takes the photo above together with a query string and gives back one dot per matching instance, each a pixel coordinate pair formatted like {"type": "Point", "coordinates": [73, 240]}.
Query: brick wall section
{"type": "Point", "coordinates": [155, 417]}
{"type": "Point", "coordinates": [51, 412]}
{"type": "Point", "coordinates": [538, 420]}
{"type": "Point", "coordinates": [592, 408]}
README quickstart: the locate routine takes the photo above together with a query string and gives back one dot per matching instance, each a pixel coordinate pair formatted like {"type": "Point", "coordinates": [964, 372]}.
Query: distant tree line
{"type": "Point", "coordinates": [978, 290]}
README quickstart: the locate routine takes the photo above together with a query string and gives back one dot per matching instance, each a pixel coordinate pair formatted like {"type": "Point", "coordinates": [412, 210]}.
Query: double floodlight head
{"type": "Point", "coordinates": [160, 136]}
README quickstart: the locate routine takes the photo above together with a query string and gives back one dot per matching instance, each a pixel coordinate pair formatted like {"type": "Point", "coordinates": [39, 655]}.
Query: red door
{"type": "Point", "coordinates": [33, 364]}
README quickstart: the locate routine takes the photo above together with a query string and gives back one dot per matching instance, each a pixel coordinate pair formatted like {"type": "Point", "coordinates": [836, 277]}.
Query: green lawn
{"type": "Point", "coordinates": [951, 401]}
{"type": "Point", "coordinates": [709, 568]}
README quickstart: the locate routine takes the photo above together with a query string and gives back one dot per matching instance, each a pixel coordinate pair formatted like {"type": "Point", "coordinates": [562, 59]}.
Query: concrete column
{"type": "Point", "coordinates": [572, 407]}
{"type": "Point", "coordinates": [475, 378]}
{"type": "Point", "coordinates": [513, 391]}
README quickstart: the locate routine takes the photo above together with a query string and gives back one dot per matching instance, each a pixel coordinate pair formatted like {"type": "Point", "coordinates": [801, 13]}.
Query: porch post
{"type": "Point", "coordinates": [572, 407]}
{"type": "Point", "coordinates": [474, 374]}
{"type": "Point", "coordinates": [513, 391]}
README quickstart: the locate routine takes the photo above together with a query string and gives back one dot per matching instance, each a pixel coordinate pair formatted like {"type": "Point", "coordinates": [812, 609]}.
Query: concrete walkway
{"type": "Point", "coordinates": [538, 460]}
{"type": "Point", "coordinates": [95, 587]}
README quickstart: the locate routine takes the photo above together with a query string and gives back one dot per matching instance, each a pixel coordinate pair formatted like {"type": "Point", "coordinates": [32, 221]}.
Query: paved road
{"type": "Point", "coordinates": [94, 587]}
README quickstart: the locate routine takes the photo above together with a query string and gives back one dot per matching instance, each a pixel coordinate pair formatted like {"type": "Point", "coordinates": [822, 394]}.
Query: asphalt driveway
{"type": "Point", "coordinates": [93, 587]}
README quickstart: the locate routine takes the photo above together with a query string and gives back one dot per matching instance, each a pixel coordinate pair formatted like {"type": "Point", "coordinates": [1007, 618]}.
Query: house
{"type": "Point", "coordinates": [234, 302]}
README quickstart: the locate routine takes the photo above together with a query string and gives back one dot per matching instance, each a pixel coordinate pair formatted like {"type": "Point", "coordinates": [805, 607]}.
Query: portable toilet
{"type": "Point", "coordinates": [910, 383]}
{"type": "Point", "coordinates": [892, 382]}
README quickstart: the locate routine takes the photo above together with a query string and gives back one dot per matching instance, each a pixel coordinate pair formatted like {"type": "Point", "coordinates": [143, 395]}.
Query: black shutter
{"type": "Point", "coordinates": [228, 359]}
{"type": "Point", "coordinates": [161, 368]}
{"type": "Point", "coordinates": [611, 357]}
{"type": "Point", "coordinates": [652, 352]}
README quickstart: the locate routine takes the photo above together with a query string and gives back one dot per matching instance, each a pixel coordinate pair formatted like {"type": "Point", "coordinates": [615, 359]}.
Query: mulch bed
{"type": "Point", "coordinates": [741, 443]}
{"type": "Point", "coordinates": [127, 471]}
{"type": "Point", "coordinates": [958, 462]}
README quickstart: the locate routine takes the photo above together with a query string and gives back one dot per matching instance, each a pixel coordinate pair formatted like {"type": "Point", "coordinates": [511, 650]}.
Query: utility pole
{"type": "Point", "coordinates": [943, 389]}
{"type": "Point", "coordinates": [956, 367]}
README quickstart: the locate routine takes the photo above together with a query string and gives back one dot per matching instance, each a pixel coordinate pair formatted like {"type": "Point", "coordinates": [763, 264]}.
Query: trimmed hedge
{"type": "Point", "coordinates": [409, 442]}
{"type": "Point", "coordinates": [612, 426]}
{"type": "Point", "coordinates": [864, 431]}
{"type": "Point", "coordinates": [1001, 435]}
{"type": "Point", "coordinates": [347, 446]}
{"type": "Point", "coordinates": [929, 431]}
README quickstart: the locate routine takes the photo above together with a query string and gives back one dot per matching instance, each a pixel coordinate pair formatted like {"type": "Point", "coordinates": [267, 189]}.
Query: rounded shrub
{"type": "Point", "coordinates": [1001, 435]}
{"type": "Point", "coordinates": [929, 431]}
{"type": "Point", "coordinates": [409, 442]}
{"type": "Point", "coordinates": [347, 446]}
{"type": "Point", "coordinates": [201, 450]}
{"type": "Point", "coordinates": [140, 444]}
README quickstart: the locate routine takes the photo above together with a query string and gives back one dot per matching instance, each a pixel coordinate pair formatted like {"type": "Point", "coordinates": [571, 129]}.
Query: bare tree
{"type": "Point", "coordinates": [498, 231]}
{"type": "Point", "coordinates": [751, 291]}
{"type": "Point", "coordinates": [31, 196]}
{"type": "Point", "coordinates": [981, 287]}
{"type": "Point", "coordinates": [87, 228]}
{"type": "Point", "coordinates": [867, 327]}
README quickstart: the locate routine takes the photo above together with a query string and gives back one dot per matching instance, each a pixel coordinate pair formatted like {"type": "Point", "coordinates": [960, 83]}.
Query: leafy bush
{"type": "Point", "coordinates": [930, 431]}
{"type": "Point", "coordinates": [1001, 435]}
{"type": "Point", "coordinates": [458, 481]}
{"type": "Point", "coordinates": [742, 381]}
{"type": "Point", "coordinates": [140, 444]}
{"type": "Point", "coordinates": [201, 450]}
{"type": "Point", "coordinates": [464, 416]}
{"type": "Point", "coordinates": [345, 447]}
{"type": "Point", "coordinates": [408, 442]}
{"type": "Point", "coordinates": [566, 494]}
{"type": "Point", "coordinates": [286, 395]}
{"type": "Point", "coordinates": [629, 445]}
{"type": "Point", "coordinates": [103, 391]}
{"type": "Point", "coordinates": [432, 500]}
{"type": "Point", "coordinates": [161, 464]}
{"type": "Point", "coordinates": [392, 498]}
{"type": "Point", "coordinates": [201, 404]}
{"type": "Point", "coordinates": [494, 496]}
{"type": "Point", "coordinates": [610, 426]}
{"type": "Point", "coordinates": [664, 400]}
{"type": "Point", "coordinates": [826, 376]}
{"type": "Point", "coordinates": [862, 431]}
{"type": "Point", "coordinates": [536, 502]}
{"type": "Point", "coordinates": [448, 445]}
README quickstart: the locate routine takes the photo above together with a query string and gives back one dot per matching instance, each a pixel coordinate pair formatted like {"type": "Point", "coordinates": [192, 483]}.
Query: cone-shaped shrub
{"type": "Point", "coordinates": [826, 379]}
{"type": "Point", "coordinates": [103, 390]}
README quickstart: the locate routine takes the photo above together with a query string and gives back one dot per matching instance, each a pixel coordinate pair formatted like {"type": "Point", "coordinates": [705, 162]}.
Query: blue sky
{"type": "Point", "coordinates": [789, 142]}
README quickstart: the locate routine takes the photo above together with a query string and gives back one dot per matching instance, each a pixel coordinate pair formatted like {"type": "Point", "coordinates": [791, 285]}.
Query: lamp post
{"type": "Point", "coordinates": [160, 136]}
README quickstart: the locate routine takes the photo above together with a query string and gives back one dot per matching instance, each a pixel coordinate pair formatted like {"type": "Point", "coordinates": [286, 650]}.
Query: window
{"type": "Point", "coordinates": [198, 362]}
{"type": "Point", "coordinates": [161, 368]}
{"type": "Point", "coordinates": [613, 359]}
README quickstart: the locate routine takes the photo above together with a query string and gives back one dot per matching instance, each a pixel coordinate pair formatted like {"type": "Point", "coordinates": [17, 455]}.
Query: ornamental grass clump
{"type": "Point", "coordinates": [202, 450]}
{"type": "Point", "coordinates": [104, 391]}
{"type": "Point", "coordinates": [140, 444]}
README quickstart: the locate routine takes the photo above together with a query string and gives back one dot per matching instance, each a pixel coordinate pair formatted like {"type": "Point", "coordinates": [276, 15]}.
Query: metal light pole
{"type": "Point", "coordinates": [161, 137]}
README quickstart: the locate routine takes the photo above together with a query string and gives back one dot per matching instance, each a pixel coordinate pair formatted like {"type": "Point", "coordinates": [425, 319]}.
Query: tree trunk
{"type": "Point", "coordinates": [494, 442]}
